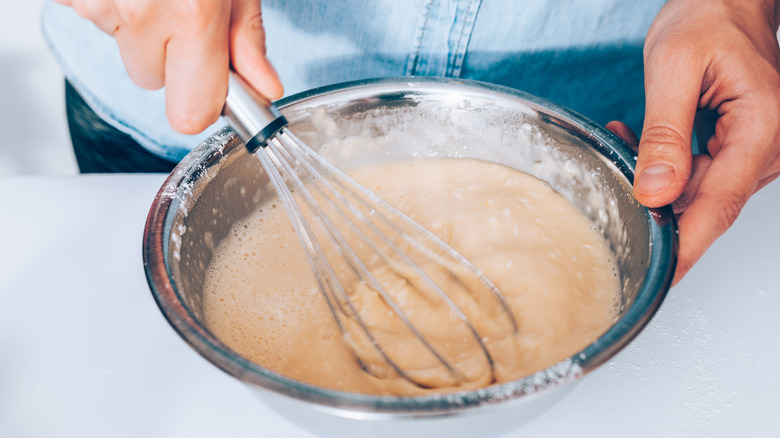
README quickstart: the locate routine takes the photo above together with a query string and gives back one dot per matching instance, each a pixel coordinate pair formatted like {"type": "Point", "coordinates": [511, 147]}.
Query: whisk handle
{"type": "Point", "coordinates": [254, 118]}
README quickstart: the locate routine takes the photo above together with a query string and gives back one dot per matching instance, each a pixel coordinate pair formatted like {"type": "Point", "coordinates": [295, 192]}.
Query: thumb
{"type": "Point", "coordinates": [663, 166]}
{"type": "Point", "coordinates": [248, 50]}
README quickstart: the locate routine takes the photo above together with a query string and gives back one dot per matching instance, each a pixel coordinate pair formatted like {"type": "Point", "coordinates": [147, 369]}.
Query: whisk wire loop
{"type": "Point", "coordinates": [323, 171]}
{"type": "Point", "coordinates": [309, 163]}
{"type": "Point", "coordinates": [333, 289]}
{"type": "Point", "coordinates": [326, 175]}
{"type": "Point", "coordinates": [295, 168]}
{"type": "Point", "coordinates": [338, 222]}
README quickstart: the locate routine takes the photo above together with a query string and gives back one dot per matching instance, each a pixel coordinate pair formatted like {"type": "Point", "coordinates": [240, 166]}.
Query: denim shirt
{"type": "Point", "coordinates": [586, 55]}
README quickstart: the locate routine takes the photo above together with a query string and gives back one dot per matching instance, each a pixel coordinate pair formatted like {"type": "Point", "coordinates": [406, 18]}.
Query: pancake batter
{"type": "Point", "coordinates": [553, 267]}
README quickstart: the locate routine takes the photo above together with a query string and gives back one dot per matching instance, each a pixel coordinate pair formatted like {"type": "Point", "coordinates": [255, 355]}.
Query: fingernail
{"type": "Point", "coordinates": [655, 178]}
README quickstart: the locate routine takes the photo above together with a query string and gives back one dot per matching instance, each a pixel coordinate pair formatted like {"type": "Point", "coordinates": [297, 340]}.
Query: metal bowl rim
{"type": "Point", "coordinates": [648, 300]}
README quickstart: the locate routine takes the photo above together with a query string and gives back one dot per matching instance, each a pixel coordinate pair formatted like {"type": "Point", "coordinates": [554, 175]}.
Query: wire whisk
{"type": "Point", "coordinates": [407, 303]}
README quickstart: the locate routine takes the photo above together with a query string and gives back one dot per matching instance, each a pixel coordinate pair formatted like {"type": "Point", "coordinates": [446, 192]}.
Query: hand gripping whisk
{"type": "Point", "coordinates": [407, 303]}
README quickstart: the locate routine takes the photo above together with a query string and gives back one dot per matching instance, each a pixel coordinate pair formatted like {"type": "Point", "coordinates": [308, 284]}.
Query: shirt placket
{"type": "Point", "coordinates": [442, 38]}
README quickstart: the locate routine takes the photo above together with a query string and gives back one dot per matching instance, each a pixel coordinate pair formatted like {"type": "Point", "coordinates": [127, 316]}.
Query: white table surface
{"type": "Point", "coordinates": [84, 351]}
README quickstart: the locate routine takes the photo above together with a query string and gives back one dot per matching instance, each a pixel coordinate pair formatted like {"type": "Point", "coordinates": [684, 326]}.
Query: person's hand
{"type": "Point", "coordinates": [721, 56]}
{"type": "Point", "coordinates": [187, 47]}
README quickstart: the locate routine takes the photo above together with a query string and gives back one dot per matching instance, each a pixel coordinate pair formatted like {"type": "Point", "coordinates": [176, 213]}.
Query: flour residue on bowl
{"type": "Point", "coordinates": [477, 127]}
{"type": "Point", "coordinates": [550, 262]}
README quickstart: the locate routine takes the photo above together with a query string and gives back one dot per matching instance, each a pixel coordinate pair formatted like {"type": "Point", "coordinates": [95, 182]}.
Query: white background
{"type": "Point", "coordinates": [84, 351]}
{"type": "Point", "coordinates": [33, 128]}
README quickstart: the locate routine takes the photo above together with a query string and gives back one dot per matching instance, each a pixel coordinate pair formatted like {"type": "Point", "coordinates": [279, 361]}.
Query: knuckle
{"type": "Point", "coordinates": [661, 140]}
{"type": "Point", "coordinates": [662, 134]}
{"type": "Point", "coordinates": [133, 12]}
{"type": "Point", "coordinates": [250, 31]}
{"type": "Point", "coordinates": [255, 22]}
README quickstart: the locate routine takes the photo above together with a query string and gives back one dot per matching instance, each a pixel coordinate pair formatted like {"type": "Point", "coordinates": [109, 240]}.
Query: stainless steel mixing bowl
{"type": "Point", "coordinates": [219, 183]}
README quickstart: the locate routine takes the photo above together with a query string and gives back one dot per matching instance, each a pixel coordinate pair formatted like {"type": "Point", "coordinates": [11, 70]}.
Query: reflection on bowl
{"type": "Point", "coordinates": [219, 183]}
